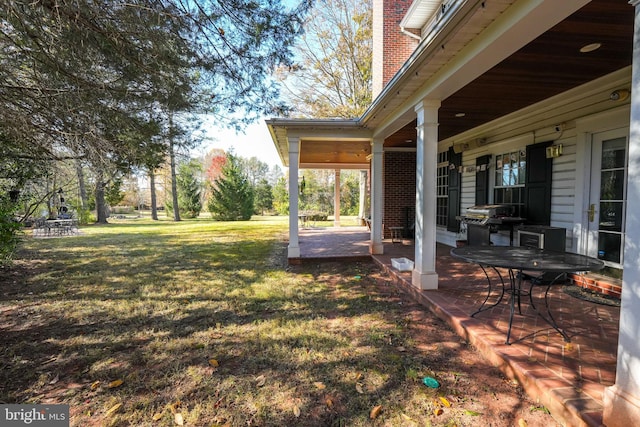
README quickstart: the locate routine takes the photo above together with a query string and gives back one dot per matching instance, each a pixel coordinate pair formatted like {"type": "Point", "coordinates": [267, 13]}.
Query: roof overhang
{"type": "Point", "coordinates": [323, 144]}
{"type": "Point", "coordinates": [485, 59]}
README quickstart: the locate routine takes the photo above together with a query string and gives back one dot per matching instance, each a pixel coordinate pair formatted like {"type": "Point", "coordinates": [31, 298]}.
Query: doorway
{"type": "Point", "coordinates": [607, 198]}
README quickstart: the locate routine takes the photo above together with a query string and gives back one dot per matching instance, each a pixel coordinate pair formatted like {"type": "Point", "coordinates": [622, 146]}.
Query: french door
{"type": "Point", "coordinates": [608, 195]}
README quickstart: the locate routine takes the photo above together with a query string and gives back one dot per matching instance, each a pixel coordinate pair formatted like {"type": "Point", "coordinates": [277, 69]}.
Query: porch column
{"type": "Point", "coordinates": [376, 197]}
{"type": "Point", "coordinates": [622, 400]}
{"type": "Point", "coordinates": [294, 151]}
{"type": "Point", "coordinates": [424, 274]}
{"type": "Point", "coordinates": [363, 210]}
{"type": "Point", "coordinates": [336, 199]}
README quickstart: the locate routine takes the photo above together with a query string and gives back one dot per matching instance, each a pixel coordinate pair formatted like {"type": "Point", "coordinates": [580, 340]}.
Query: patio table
{"type": "Point", "coordinates": [520, 261]}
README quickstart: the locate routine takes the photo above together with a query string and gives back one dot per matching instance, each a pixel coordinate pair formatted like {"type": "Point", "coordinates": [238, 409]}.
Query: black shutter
{"type": "Point", "coordinates": [537, 203]}
{"type": "Point", "coordinates": [454, 191]}
{"type": "Point", "coordinates": [482, 180]}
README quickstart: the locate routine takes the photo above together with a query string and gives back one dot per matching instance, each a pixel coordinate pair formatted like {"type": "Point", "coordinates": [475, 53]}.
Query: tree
{"type": "Point", "coordinates": [255, 169]}
{"type": "Point", "coordinates": [334, 75]}
{"type": "Point", "coordinates": [189, 186]}
{"type": "Point", "coordinates": [231, 196]}
{"type": "Point", "coordinates": [78, 78]}
{"type": "Point", "coordinates": [281, 196]}
{"type": "Point", "coordinates": [263, 196]}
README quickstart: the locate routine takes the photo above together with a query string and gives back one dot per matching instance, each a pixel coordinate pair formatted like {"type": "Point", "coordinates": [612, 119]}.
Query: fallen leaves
{"type": "Point", "coordinates": [115, 383]}
{"type": "Point", "coordinates": [260, 380]}
{"type": "Point", "coordinates": [115, 408]}
{"type": "Point", "coordinates": [375, 412]}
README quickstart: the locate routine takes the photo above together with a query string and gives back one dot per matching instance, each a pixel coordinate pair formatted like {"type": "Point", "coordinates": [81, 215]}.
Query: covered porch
{"type": "Point", "coordinates": [567, 378]}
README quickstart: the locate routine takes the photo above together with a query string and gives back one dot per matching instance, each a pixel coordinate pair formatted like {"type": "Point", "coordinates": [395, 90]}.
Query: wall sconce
{"type": "Point", "coordinates": [554, 151]}
{"type": "Point", "coordinates": [619, 95]}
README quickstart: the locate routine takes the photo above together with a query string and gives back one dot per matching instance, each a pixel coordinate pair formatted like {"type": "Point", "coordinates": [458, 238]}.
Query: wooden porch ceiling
{"type": "Point", "coordinates": [342, 154]}
{"type": "Point", "coordinates": [548, 66]}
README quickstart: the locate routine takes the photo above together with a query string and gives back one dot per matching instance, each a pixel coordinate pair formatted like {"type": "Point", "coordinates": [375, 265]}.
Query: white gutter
{"type": "Point", "coordinates": [403, 30]}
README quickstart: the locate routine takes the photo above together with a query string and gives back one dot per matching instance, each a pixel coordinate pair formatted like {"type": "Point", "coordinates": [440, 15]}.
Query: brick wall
{"type": "Point", "coordinates": [391, 48]}
{"type": "Point", "coordinates": [399, 189]}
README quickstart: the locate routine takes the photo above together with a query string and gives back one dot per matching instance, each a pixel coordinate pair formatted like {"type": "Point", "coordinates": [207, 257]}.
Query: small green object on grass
{"type": "Point", "coordinates": [430, 382]}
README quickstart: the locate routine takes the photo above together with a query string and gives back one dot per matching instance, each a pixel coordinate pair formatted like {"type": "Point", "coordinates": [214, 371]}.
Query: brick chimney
{"type": "Point", "coordinates": [391, 48]}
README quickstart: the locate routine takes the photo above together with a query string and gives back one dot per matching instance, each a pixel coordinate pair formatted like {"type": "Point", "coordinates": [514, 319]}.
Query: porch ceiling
{"type": "Point", "coordinates": [547, 66]}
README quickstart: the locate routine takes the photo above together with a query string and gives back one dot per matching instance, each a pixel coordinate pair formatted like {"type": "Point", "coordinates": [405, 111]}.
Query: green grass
{"type": "Point", "coordinates": [201, 320]}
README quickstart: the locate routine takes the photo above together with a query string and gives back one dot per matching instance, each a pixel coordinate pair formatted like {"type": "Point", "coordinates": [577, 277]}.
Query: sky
{"type": "Point", "coordinates": [255, 141]}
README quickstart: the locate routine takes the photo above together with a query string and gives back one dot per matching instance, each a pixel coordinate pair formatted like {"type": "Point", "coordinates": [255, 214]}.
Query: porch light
{"type": "Point", "coordinates": [459, 115]}
{"type": "Point", "coordinates": [302, 185]}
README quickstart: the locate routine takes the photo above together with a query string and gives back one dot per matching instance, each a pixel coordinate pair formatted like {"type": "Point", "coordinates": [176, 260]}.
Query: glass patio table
{"type": "Point", "coordinates": [525, 263]}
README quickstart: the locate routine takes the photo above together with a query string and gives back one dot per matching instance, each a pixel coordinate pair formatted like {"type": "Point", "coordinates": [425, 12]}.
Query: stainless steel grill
{"type": "Point", "coordinates": [486, 214]}
{"type": "Point", "coordinates": [491, 218]}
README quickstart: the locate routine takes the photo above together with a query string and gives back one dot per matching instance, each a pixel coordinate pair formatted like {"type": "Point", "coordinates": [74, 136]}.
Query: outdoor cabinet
{"type": "Point", "coordinates": [543, 237]}
{"type": "Point", "coordinates": [478, 235]}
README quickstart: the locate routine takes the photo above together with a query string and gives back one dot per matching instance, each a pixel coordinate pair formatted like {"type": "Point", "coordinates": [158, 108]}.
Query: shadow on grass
{"type": "Point", "coordinates": [207, 324]}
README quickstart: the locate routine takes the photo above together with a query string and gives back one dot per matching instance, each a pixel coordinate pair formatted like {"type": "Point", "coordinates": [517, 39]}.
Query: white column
{"type": "Point", "coordinates": [424, 273]}
{"type": "Point", "coordinates": [376, 197]}
{"type": "Point", "coordinates": [336, 199]}
{"type": "Point", "coordinates": [363, 210]}
{"type": "Point", "coordinates": [622, 400]}
{"type": "Point", "coordinates": [294, 244]}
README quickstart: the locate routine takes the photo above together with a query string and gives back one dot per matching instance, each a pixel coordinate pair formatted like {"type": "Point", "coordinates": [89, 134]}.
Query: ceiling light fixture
{"type": "Point", "coordinates": [460, 114]}
{"type": "Point", "coordinates": [619, 95]}
{"type": "Point", "coordinates": [590, 47]}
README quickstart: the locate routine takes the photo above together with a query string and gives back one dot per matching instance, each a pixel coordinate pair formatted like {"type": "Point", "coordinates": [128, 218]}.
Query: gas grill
{"type": "Point", "coordinates": [486, 214]}
{"type": "Point", "coordinates": [490, 217]}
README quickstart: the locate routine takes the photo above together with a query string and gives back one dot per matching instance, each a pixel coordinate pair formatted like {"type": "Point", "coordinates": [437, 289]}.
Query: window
{"type": "Point", "coordinates": [442, 189]}
{"type": "Point", "coordinates": [510, 172]}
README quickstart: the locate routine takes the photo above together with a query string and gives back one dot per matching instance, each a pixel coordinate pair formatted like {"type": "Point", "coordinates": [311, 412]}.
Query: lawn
{"type": "Point", "coordinates": [201, 323]}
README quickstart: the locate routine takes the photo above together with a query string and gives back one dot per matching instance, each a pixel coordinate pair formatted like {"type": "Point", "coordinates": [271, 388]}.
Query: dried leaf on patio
{"type": "Point", "coordinates": [522, 423]}
{"type": "Point", "coordinates": [95, 385]}
{"type": "Point", "coordinates": [445, 402]}
{"type": "Point", "coordinates": [375, 411]}
{"type": "Point", "coordinates": [115, 383]}
{"type": "Point", "coordinates": [319, 385]}
{"type": "Point", "coordinates": [261, 380]}
{"type": "Point", "coordinates": [438, 411]}
{"type": "Point", "coordinates": [55, 379]}
{"type": "Point", "coordinates": [214, 363]}
{"type": "Point", "coordinates": [296, 411]}
{"type": "Point", "coordinates": [157, 416]}
{"type": "Point", "coordinates": [359, 388]}
{"type": "Point", "coordinates": [472, 413]}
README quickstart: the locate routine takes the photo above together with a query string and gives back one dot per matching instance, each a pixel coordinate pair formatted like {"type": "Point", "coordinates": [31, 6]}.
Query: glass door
{"type": "Point", "coordinates": [607, 202]}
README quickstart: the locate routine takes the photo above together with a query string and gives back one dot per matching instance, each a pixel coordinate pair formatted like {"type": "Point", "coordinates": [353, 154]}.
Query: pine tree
{"type": "Point", "coordinates": [263, 196]}
{"type": "Point", "coordinates": [232, 195]}
{"type": "Point", "coordinates": [188, 185]}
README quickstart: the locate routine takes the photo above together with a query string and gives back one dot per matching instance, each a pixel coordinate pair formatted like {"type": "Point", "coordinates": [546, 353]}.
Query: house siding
{"type": "Point", "coordinates": [567, 191]}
